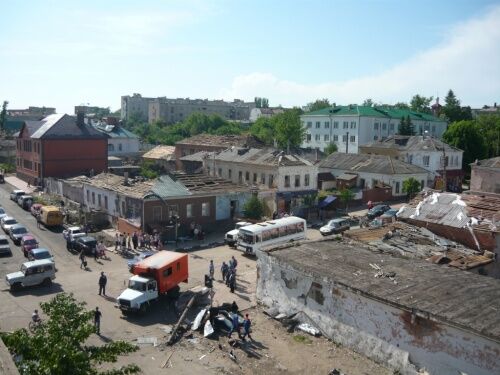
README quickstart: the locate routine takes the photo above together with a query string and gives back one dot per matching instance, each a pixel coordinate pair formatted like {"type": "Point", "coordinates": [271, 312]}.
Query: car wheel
{"type": "Point", "coordinates": [15, 287]}
{"type": "Point", "coordinates": [47, 282]}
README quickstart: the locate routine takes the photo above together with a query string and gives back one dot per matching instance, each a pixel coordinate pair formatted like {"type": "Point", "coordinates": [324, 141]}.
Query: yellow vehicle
{"type": "Point", "coordinates": [50, 216]}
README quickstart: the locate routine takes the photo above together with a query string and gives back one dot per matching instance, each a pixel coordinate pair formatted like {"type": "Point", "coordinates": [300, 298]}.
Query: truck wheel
{"type": "Point", "coordinates": [47, 282]}
{"type": "Point", "coordinates": [143, 308]}
{"type": "Point", "coordinates": [174, 293]}
{"type": "Point", "coordinates": [15, 287]}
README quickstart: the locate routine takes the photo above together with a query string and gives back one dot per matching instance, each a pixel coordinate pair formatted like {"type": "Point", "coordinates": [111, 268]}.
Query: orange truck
{"type": "Point", "coordinates": [154, 276]}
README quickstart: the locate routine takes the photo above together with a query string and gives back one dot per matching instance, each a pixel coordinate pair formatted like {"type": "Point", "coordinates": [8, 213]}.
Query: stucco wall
{"type": "Point", "coordinates": [380, 331]}
{"type": "Point", "coordinates": [223, 205]}
{"type": "Point", "coordinates": [485, 179]}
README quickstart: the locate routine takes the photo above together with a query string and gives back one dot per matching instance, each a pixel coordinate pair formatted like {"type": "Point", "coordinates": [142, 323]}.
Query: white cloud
{"type": "Point", "coordinates": [467, 61]}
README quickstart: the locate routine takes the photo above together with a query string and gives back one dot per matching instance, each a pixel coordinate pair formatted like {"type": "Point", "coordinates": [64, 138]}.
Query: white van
{"type": "Point", "coordinates": [32, 273]}
{"type": "Point", "coordinates": [231, 237]}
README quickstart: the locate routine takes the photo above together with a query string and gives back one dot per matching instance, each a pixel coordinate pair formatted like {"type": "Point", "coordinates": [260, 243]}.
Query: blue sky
{"type": "Point", "coordinates": [61, 54]}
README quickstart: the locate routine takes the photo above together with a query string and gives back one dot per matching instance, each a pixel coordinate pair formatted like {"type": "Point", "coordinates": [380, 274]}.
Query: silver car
{"type": "Point", "coordinates": [32, 273]}
{"type": "Point", "coordinates": [15, 194]}
{"type": "Point", "coordinates": [3, 213]}
{"type": "Point", "coordinates": [17, 232]}
{"type": "Point", "coordinates": [7, 222]}
{"type": "Point", "coordinates": [5, 246]}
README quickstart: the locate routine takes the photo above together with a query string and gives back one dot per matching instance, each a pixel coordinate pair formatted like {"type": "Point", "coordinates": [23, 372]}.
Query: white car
{"type": "Point", "coordinates": [231, 237]}
{"type": "Point", "coordinates": [73, 233]}
{"type": "Point", "coordinates": [7, 222]}
{"type": "Point", "coordinates": [15, 194]}
{"type": "Point", "coordinates": [3, 213]}
{"type": "Point", "coordinates": [32, 273]}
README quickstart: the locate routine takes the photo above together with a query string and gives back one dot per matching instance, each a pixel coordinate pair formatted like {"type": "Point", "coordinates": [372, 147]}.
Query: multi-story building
{"type": "Point", "coordinates": [60, 145]}
{"type": "Point", "coordinates": [121, 142]}
{"type": "Point", "coordinates": [290, 176]}
{"type": "Point", "coordinates": [354, 125]}
{"type": "Point", "coordinates": [440, 159]}
{"type": "Point", "coordinates": [135, 105]}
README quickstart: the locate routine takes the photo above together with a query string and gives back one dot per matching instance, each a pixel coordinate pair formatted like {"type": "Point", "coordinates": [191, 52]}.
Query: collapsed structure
{"type": "Point", "coordinates": [407, 314]}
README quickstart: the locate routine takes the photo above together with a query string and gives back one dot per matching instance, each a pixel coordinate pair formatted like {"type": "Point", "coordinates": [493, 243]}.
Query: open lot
{"type": "Point", "coordinates": [272, 351]}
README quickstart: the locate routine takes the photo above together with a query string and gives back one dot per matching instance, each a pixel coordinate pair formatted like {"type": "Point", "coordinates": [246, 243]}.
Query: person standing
{"type": "Point", "coordinates": [223, 269]}
{"type": "Point", "coordinates": [129, 242]}
{"type": "Point", "coordinates": [117, 242]}
{"type": "Point", "coordinates": [39, 219]}
{"type": "Point", "coordinates": [234, 261]}
{"type": "Point", "coordinates": [141, 240]}
{"type": "Point", "coordinates": [135, 240]}
{"type": "Point", "coordinates": [235, 327]}
{"type": "Point", "coordinates": [124, 242]}
{"type": "Point", "coordinates": [83, 262]}
{"type": "Point", "coordinates": [97, 320]}
{"type": "Point", "coordinates": [103, 280]}
{"type": "Point", "coordinates": [246, 327]}
{"type": "Point", "coordinates": [211, 269]}
{"type": "Point", "coordinates": [232, 280]}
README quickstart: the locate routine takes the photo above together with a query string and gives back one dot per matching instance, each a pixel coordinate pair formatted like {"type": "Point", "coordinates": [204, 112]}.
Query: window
{"type": "Point", "coordinates": [422, 184]}
{"type": "Point", "coordinates": [220, 172]}
{"type": "Point", "coordinates": [317, 137]}
{"type": "Point", "coordinates": [271, 180]}
{"type": "Point", "coordinates": [444, 161]}
{"type": "Point", "coordinates": [327, 124]}
{"type": "Point", "coordinates": [309, 124]}
{"type": "Point", "coordinates": [306, 179]}
{"type": "Point", "coordinates": [375, 126]}
{"type": "Point", "coordinates": [229, 173]}
{"type": "Point", "coordinates": [308, 137]}
{"type": "Point", "coordinates": [326, 137]}
{"type": "Point", "coordinates": [240, 177]}
{"type": "Point", "coordinates": [93, 198]}
{"type": "Point", "coordinates": [335, 124]}
{"type": "Point", "coordinates": [119, 146]}
{"type": "Point", "coordinates": [384, 126]}
{"type": "Point", "coordinates": [397, 187]}
{"type": "Point", "coordinates": [263, 178]}
{"type": "Point", "coordinates": [88, 196]}
{"type": "Point", "coordinates": [318, 124]}
{"type": "Point", "coordinates": [255, 178]}
{"type": "Point", "coordinates": [205, 209]}
{"type": "Point", "coordinates": [391, 127]}
{"type": "Point", "coordinates": [353, 125]}
{"type": "Point", "coordinates": [247, 176]}
{"type": "Point", "coordinates": [335, 138]}
{"type": "Point", "coordinates": [111, 147]}
{"type": "Point", "coordinates": [353, 138]}
{"type": "Point", "coordinates": [410, 159]}
{"type": "Point", "coordinates": [426, 160]}
{"type": "Point", "coordinates": [297, 180]}
{"type": "Point", "coordinates": [346, 124]}
{"type": "Point", "coordinates": [167, 272]}
{"type": "Point", "coordinates": [189, 210]}
{"type": "Point", "coordinates": [344, 138]}
{"type": "Point", "coordinates": [157, 213]}
{"type": "Point", "coordinates": [375, 138]}
{"type": "Point", "coordinates": [105, 202]}
{"type": "Point", "coordinates": [27, 164]}
{"type": "Point", "coordinates": [287, 181]}
{"type": "Point", "coordinates": [99, 200]}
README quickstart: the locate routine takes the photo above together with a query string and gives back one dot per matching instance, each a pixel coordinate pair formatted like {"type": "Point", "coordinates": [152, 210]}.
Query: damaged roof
{"type": "Point", "coordinates": [223, 141]}
{"type": "Point", "coordinates": [266, 156]}
{"type": "Point", "coordinates": [487, 163]}
{"type": "Point", "coordinates": [412, 143]}
{"type": "Point", "coordinates": [443, 294]}
{"type": "Point", "coordinates": [160, 152]}
{"type": "Point", "coordinates": [62, 126]}
{"type": "Point", "coordinates": [369, 163]}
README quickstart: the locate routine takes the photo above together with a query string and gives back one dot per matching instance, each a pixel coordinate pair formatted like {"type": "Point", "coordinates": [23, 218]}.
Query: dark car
{"type": "Point", "coordinates": [17, 232]}
{"type": "Point", "coordinates": [139, 258]}
{"type": "Point", "coordinates": [377, 211]}
{"type": "Point", "coordinates": [87, 244]}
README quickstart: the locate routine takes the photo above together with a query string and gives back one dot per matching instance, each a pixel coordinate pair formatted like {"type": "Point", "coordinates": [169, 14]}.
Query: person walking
{"type": "Point", "coordinates": [83, 262]}
{"type": "Point", "coordinates": [235, 262]}
{"type": "Point", "coordinates": [117, 242]}
{"type": "Point", "coordinates": [224, 269]}
{"type": "Point", "coordinates": [247, 323]}
{"type": "Point", "coordinates": [103, 280]}
{"type": "Point", "coordinates": [97, 320]}
{"type": "Point", "coordinates": [211, 269]}
{"type": "Point", "coordinates": [39, 219]}
{"type": "Point", "coordinates": [141, 240]}
{"type": "Point", "coordinates": [235, 327]}
{"type": "Point", "coordinates": [129, 242]}
{"type": "Point", "coordinates": [232, 280]}
{"type": "Point", "coordinates": [135, 240]}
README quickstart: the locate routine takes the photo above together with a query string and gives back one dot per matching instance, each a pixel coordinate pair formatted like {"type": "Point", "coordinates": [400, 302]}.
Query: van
{"type": "Point", "coordinates": [25, 201]}
{"type": "Point", "coordinates": [32, 273]}
{"type": "Point", "coordinates": [51, 216]}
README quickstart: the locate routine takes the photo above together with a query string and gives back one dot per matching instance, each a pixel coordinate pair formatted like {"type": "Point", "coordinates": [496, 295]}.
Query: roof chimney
{"type": "Point", "coordinates": [80, 119]}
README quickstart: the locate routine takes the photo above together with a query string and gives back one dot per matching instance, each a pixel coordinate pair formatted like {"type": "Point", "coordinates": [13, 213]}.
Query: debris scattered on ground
{"type": "Point", "coordinates": [167, 363]}
{"type": "Point", "coordinates": [208, 330]}
{"type": "Point", "coordinates": [197, 321]}
{"type": "Point", "coordinates": [336, 372]}
{"type": "Point", "coordinates": [147, 341]}
{"type": "Point", "coordinates": [166, 329]}
{"type": "Point", "coordinates": [203, 356]}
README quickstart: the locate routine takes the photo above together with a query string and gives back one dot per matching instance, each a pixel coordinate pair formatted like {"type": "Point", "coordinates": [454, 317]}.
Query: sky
{"type": "Point", "coordinates": [66, 53]}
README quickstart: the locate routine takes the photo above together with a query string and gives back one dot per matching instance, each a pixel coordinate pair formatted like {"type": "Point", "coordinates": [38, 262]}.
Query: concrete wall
{"type": "Point", "coordinates": [485, 179]}
{"type": "Point", "coordinates": [223, 205]}
{"type": "Point", "coordinates": [123, 146]}
{"type": "Point", "coordinates": [7, 366]}
{"type": "Point", "coordinates": [378, 330]}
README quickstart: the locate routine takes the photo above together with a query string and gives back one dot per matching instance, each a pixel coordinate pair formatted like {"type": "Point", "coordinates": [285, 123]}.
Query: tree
{"type": "Point", "coordinates": [406, 126]}
{"type": "Point", "coordinates": [467, 136]}
{"type": "Point", "coordinates": [411, 187]}
{"type": "Point", "coordinates": [346, 196]}
{"type": "Point", "coordinates": [331, 148]}
{"type": "Point", "coordinates": [401, 105]}
{"type": "Point", "coordinates": [253, 208]}
{"type": "Point", "coordinates": [59, 345]}
{"type": "Point", "coordinates": [261, 102]}
{"type": "Point", "coordinates": [421, 104]}
{"type": "Point", "coordinates": [489, 126]}
{"type": "Point", "coordinates": [289, 129]}
{"type": "Point", "coordinates": [319, 104]}
{"type": "Point", "coordinates": [368, 102]}
{"type": "Point", "coordinates": [264, 129]}
{"type": "Point", "coordinates": [452, 109]}
{"type": "Point", "coordinates": [3, 114]}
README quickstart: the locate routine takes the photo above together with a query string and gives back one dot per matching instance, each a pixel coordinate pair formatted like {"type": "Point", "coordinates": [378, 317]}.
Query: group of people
{"type": "Point", "coordinates": [137, 240]}
{"type": "Point", "coordinates": [228, 271]}
{"type": "Point", "coordinates": [97, 252]}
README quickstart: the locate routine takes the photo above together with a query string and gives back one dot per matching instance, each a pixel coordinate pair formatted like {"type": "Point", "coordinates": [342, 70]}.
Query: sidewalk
{"type": "Point", "coordinates": [19, 184]}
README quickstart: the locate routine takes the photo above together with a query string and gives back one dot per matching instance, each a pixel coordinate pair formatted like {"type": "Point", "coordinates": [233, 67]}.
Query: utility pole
{"type": "Point", "coordinates": [347, 143]}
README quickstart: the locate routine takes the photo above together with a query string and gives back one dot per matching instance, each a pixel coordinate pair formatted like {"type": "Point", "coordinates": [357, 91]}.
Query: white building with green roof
{"type": "Point", "coordinates": [354, 125]}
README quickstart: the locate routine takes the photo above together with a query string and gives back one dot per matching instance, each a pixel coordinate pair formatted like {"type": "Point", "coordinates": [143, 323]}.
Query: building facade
{"type": "Point", "coordinates": [59, 146]}
{"type": "Point", "coordinates": [354, 125]}
{"type": "Point", "coordinates": [440, 159]}
{"type": "Point", "coordinates": [485, 175]}
{"type": "Point", "coordinates": [135, 105]}
{"type": "Point", "coordinates": [121, 142]}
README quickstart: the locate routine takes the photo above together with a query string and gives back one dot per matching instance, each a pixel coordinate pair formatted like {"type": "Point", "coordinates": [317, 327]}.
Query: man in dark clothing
{"type": "Point", "coordinates": [224, 269]}
{"type": "Point", "coordinates": [246, 327]}
{"type": "Point", "coordinates": [234, 308]}
{"type": "Point", "coordinates": [232, 281]}
{"type": "Point", "coordinates": [38, 220]}
{"type": "Point", "coordinates": [102, 283]}
{"type": "Point", "coordinates": [135, 240]}
{"type": "Point", "coordinates": [235, 325]}
{"type": "Point", "coordinates": [97, 320]}
{"type": "Point", "coordinates": [83, 263]}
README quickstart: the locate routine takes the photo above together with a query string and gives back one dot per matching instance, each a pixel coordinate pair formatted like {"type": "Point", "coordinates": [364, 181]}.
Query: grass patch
{"type": "Point", "coordinates": [302, 339]}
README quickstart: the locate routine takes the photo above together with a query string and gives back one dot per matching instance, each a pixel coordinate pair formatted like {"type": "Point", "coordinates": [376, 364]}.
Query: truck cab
{"type": "Point", "coordinates": [140, 291]}
{"type": "Point", "coordinates": [231, 237]}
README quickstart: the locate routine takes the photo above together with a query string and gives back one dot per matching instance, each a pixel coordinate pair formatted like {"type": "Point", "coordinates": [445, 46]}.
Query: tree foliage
{"type": "Point", "coordinates": [59, 346]}
{"type": "Point", "coordinates": [489, 127]}
{"type": "Point", "coordinates": [264, 129]}
{"type": "Point", "coordinates": [411, 186]}
{"type": "Point", "coordinates": [319, 104]}
{"type": "Point", "coordinates": [368, 102]}
{"type": "Point", "coordinates": [261, 102]}
{"type": "Point", "coordinates": [149, 169]}
{"type": "Point", "coordinates": [452, 109]}
{"type": "Point", "coordinates": [3, 114]}
{"type": "Point", "coordinates": [346, 195]}
{"type": "Point", "coordinates": [254, 208]}
{"type": "Point", "coordinates": [331, 148]}
{"type": "Point", "coordinates": [406, 126]}
{"type": "Point", "coordinates": [286, 128]}
{"type": "Point", "coordinates": [421, 103]}
{"type": "Point", "coordinates": [467, 136]}
{"type": "Point", "coordinates": [401, 105]}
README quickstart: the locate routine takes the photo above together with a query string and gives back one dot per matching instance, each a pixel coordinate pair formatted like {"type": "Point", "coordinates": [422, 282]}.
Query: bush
{"type": "Point", "coordinates": [253, 208]}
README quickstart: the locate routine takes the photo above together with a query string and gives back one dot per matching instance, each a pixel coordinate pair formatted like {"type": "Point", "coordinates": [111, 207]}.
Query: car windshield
{"type": "Point", "coordinates": [10, 222]}
{"type": "Point", "coordinates": [333, 224]}
{"type": "Point", "coordinates": [20, 230]}
{"type": "Point", "coordinates": [30, 242]}
{"type": "Point", "coordinates": [92, 243]}
{"type": "Point", "coordinates": [42, 255]}
{"type": "Point", "coordinates": [4, 241]}
{"type": "Point", "coordinates": [137, 285]}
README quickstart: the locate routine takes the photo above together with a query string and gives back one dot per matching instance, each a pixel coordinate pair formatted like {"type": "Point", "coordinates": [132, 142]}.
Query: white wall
{"type": "Point", "coordinates": [435, 163]}
{"type": "Point", "coordinates": [128, 146]}
{"type": "Point", "coordinates": [113, 197]}
{"type": "Point", "coordinates": [332, 132]}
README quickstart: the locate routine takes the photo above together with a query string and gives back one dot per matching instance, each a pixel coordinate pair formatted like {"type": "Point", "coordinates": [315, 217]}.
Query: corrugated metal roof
{"type": "Point", "coordinates": [265, 156]}
{"type": "Point", "coordinates": [59, 126]}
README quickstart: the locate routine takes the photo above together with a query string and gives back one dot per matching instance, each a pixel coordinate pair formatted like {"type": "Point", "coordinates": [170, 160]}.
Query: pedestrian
{"type": "Point", "coordinates": [101, 250]}
{"type": "Point", "coordinates": [223, 269]}
{"type": "Point", "coordinates": [129, 242]}
{"type": "Point", "coordinates": [147, 240]}
{"type": "Point", "coordinates": [124, 241]}
{"type": "Point", "coordinates": [235, 327]}
{"type": "Point", "coordinates": [102, 283]}
{"type": "Point", "coordinates": [97, 320]}
{"type": "Point", "coordinates": [83, 263]}
{"type": "Point", "coordinates": [135, 240]}
{"type": "Point", "coordinates": [94, 252]}
{"type": "Point", "coordinates": [29, 182]}
{"type": "Point", "coordinates": [235, 262]}
{"type": "Point", "coordinates": [234, 308]}
{"type": "Point", "coordinates": [141, 240]}
{"type": "Point", "coordinates": [246, 327]}
{"type": "Point", "coordinates": [117, 241]}
{"type": "Point", "coordinates": [232, 281]}
{"type": "Point", "coordinates": [38, 219]}
{"type": "Point", "coordinates": [211, 269]}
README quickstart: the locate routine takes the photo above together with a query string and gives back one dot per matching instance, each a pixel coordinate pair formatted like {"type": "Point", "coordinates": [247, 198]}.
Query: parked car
{"type": "Point", "coordinates": [7, 222]}
{"type": "Point", "coordinates": [2, 212]}
{"type": "Point", "coordinates": [146, 254]}
{"type": "Point", "coordinates": [377, 211]}
{"type": "Point", "coordinates": [28, 242]}
{"type": "Point", "coordinates": [231, 237]}
{"type": "Point", "coordinates": [87, 244]}
{"type": "Point", "coordinates": [16, 232]}
{"type": "Point", "coordinates": [388, 216]}
{"type": "Point", "coordinates": [32, 273]}
{"type": "Point", "coordinates": [335, 226]}
{"type": "Point", "coordinates": [25, 201]}
{"type": "Point", "coordinates": [4, 246]}
{"type": "Point", "coordinates": [40, 253]}
{"type": "Point", "coordinates": [15, 194]}
{"type": "Point", "coordinates": [73, 233]}
{"type": "Point", "coordinates": [35, 208]}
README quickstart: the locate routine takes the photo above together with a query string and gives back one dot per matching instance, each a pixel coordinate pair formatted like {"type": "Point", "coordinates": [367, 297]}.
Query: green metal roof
{"type": "Point", "coordinates": [366, 111]}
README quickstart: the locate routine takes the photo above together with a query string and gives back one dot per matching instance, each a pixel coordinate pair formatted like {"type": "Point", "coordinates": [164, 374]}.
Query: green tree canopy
{"type": "Point", "coordinates": [467, 136]}
{"type": "Point", "coordinates": [59, 346]}
{"type": "Point", "coordinates": [411, 187]}
{"type": "Point", "coordinates": [319, 104]}
{"type": "Point", "coordinates": [289, 129]}
{"type": "Point", "coordinates": [261, 102]}
{"type": "Point", "coordinates": [264, 129]}
{"type": "Point", "coordinates": [421, 103]}
{"type": "Point", "coordinates": [331, 148]}
{"type": "Point", "coordinates": [3, 114]}
{"type": "Point", "coordinates": [346, 195]}
{"type": "Point", "coordinates": [406, 126]}
{"type": "Point", "coordinates": [452, 109]}
{"type": "Point", "coordinates": [489, 126]}
{"type": "Point", "coordinates": [253, 208]}
{"type": "Point", "coordinates": [401, 105]}
{"type": "Point", "coordinates": [368, 102]}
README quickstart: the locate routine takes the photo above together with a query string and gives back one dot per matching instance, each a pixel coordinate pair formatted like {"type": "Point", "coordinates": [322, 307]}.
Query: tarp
{"type": "Point", "coordinates": [325, 202]}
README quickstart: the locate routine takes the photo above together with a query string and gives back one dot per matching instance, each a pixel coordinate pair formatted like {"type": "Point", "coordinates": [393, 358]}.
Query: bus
{"type": "Point", "coordinates": [253, 237]}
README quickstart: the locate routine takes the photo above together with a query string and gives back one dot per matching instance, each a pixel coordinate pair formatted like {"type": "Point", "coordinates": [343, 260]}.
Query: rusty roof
{"type": "Point", "coordinates": [444, 294]}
